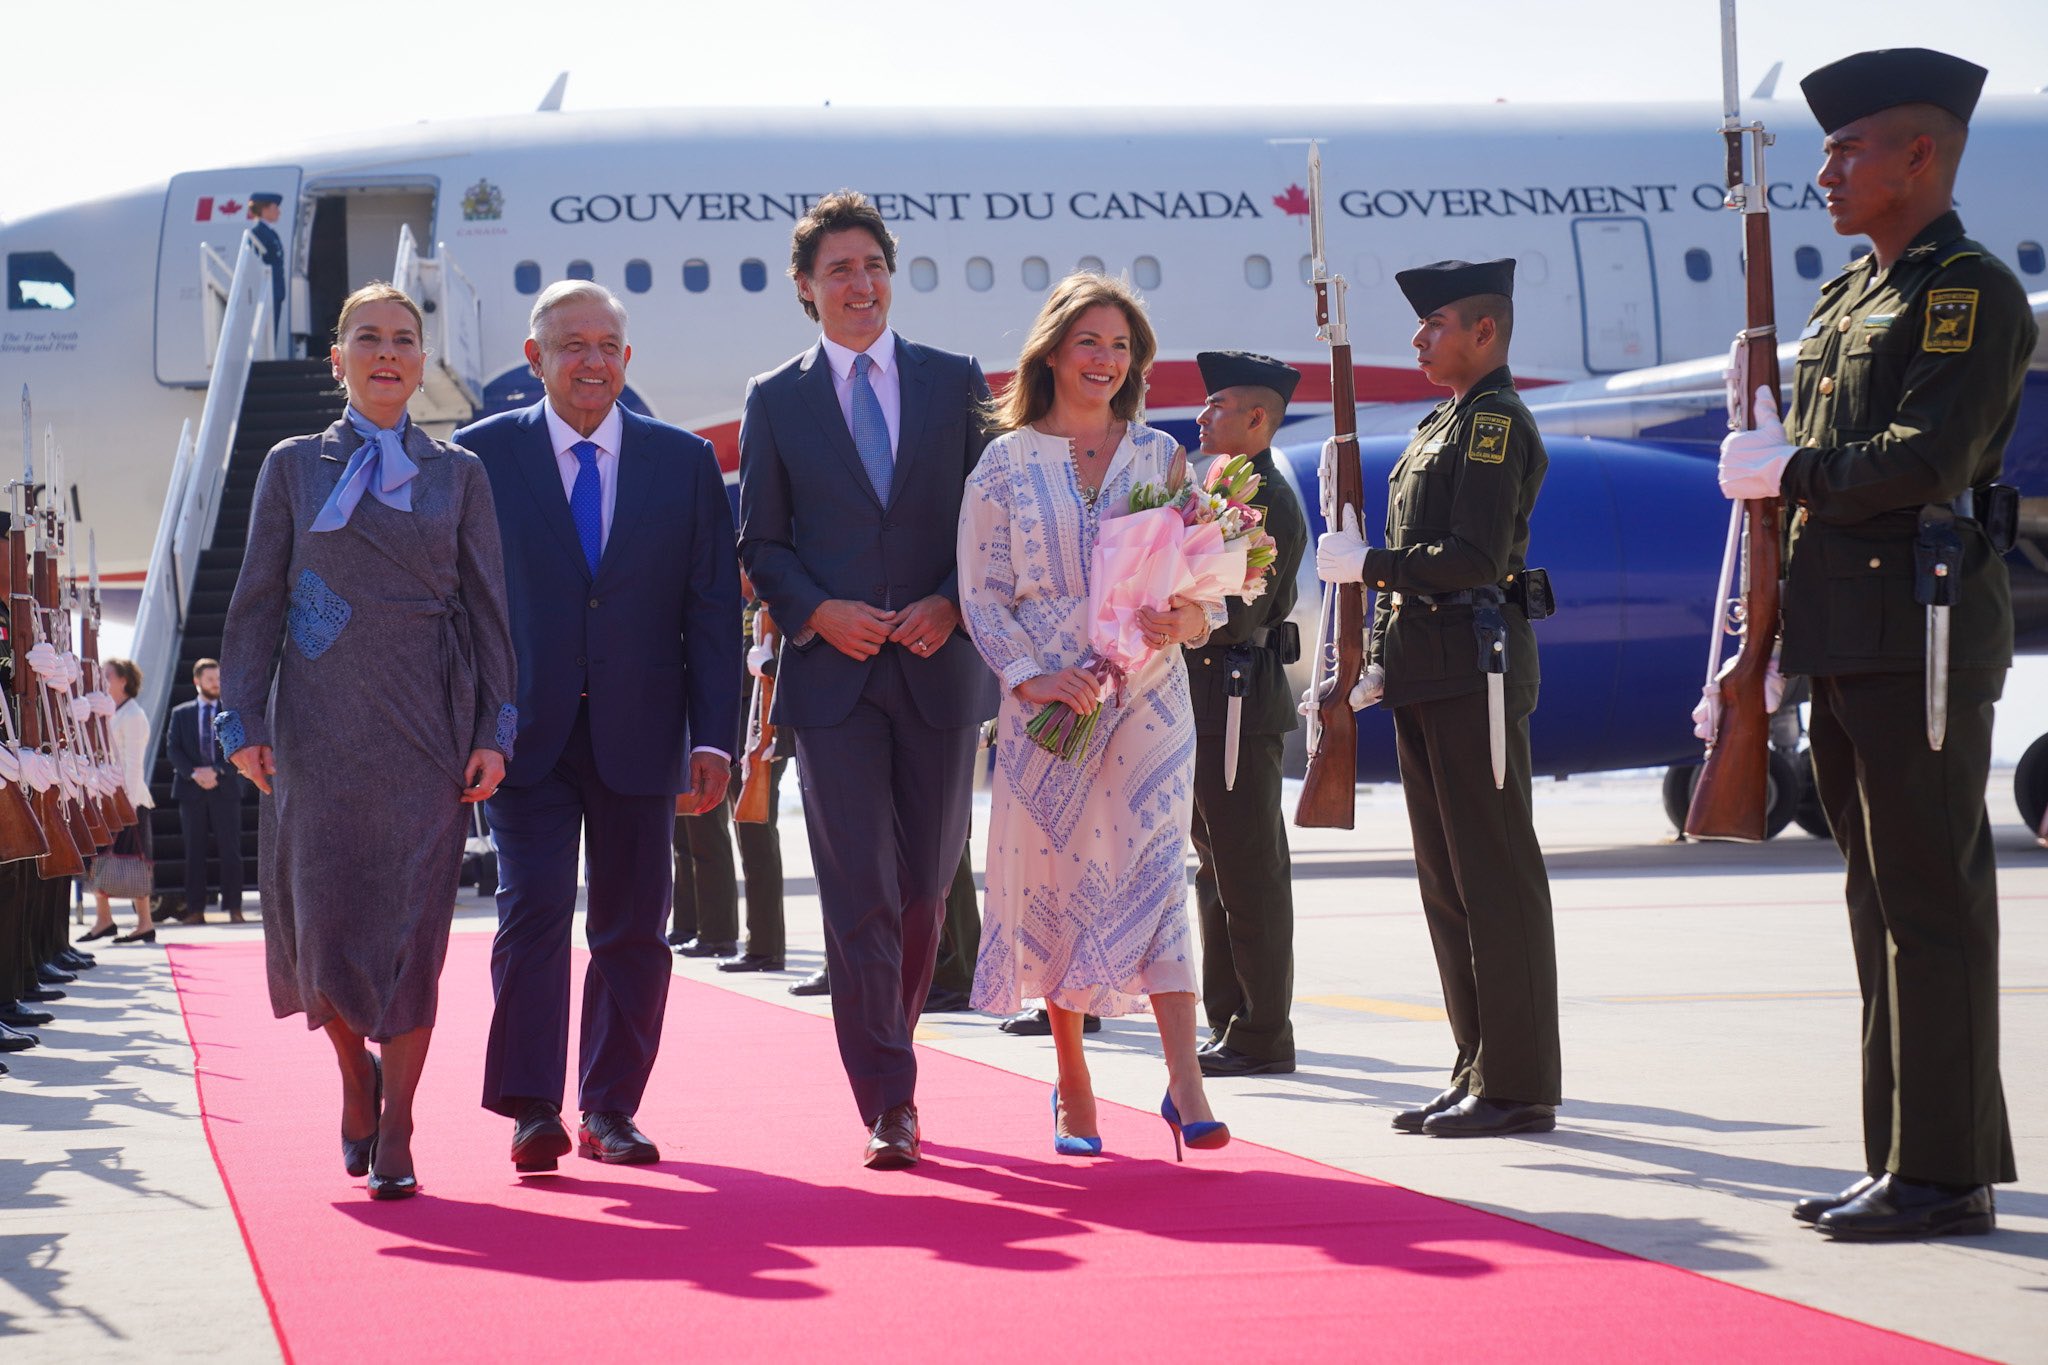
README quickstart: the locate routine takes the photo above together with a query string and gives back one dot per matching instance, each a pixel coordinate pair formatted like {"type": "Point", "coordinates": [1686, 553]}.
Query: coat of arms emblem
{"type": "Point", "coordinates": [483, 202]}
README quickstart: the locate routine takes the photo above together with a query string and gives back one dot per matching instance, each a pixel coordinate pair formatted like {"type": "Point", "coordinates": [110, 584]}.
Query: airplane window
{"type": "Point", "coordinates": [639, 276]}
{"type": "Point", "coordinates": [580, 270]}
{"type": "Point", "coordinates": [1092, 264]}
{"type": "Point", "coordinates": [2032, 259]}
{"type": "Point", "coordinates": [1145, 272]}
{"type": "Point", "coordinates": [1699, 265]}
{"type": "Point", "coordinates": [526, 277]}
{"type": "Point", "coordinates": [753, 276]}
{"type": "Point", "coordinates": [1258, 272]}
{"type": "Point", "coordinates": [1806, 261]}
{"type": "Point", "coordinates": [1037, 274]}
{"type": "Point", "coordinates": [981, 276]}
{"type": "Point", "coordinates": [696, 276]}
{"type": "Point", "coordinates": [924, 275]}
{"type": "Point", "coordinates": [38, 279]}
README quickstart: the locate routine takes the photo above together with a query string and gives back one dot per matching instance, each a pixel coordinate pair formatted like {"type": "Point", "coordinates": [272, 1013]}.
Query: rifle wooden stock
{"type": "Point", "coordinates": [21, 834]}
{"type": "Point", "coordinates": [1731, 800]}
{"type": "Point", "coordinates": [1329, 790]}
{"type": "Point", "coordinates": [757, 783]}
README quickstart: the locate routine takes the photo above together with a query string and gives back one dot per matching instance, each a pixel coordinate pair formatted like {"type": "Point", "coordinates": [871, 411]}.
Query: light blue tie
{"type": "Point", "coordinates": [586, 502]}
{"type": "Point", "coordinates": [871, 430]}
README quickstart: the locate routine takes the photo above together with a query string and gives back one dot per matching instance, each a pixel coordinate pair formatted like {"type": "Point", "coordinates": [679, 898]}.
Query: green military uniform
{"type": "Point", "coordinates": [1458, 521]}
{"type": "Point", "coordinates": [1906, 392]}
{"type": "Point", "coordinates": [1243, 876]}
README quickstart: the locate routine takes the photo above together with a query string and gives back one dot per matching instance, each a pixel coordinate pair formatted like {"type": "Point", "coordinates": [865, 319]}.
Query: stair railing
{"type": "Point", "coordinates": [453, 386]}
{"type": "Point", "coordinates": [199, 473]}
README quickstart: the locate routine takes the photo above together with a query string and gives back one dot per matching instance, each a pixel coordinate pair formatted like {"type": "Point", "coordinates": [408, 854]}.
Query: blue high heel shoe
{"type": "Point", "coordinates": [1066, 1144]}
{"type": "Point", "coordinates": [1201, 1136]}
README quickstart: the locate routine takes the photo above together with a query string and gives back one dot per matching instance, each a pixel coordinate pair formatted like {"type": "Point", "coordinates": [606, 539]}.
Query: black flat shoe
{"type": "Point", "coordinates": [1411, 1120]}
{"type": "Point", "coordinates": [52, 975]}
{"type": "Point", "coordinates": [1896, 1209]}
{"type": "Point", "coordinates": [99, 932]}
{"type": "Point", "coordinates": [1809, 1210]}
{"type": "Point", "coordinates": [358, 1153]}
{"type": "Point", "coordinates": [393, 1186]}
{"type": "Point", "coordinates": [1038, 1024]}
{"type": "Point", "coordinates": [698, 947]}
{"type": "Point", "coordinates": [1478, 1116]}
{"type": "Point", "coordinates": [538, 1137]}
{"type": "Point", "coordinates": [817, 983]}
{"type": "Point", "coordinates": [42, 995]}
{"type": "Point", "coordinates": [72, 960]}
{"type": "Point", "coordinates": [144, 936]}
{"type": "Point", "coordinates": [13, 1040]}
{"type": "Point", "coordinates": [1228, 1061]}
{"type": "Point", "coordinates": [751, 962]}
{"type": "Point", "coordinates": [15, 1014]}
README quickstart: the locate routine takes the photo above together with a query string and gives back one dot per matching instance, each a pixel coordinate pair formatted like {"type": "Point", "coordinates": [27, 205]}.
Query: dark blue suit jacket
{"type": "Point", "coordinates": [182, 745]}
{"type": "Point", "coordinates": [653, 637]}
{"type": "Point", "coordinates": [811, 527]}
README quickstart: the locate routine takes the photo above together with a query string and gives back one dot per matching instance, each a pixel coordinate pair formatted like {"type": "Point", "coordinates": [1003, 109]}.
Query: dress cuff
{"type": "Point", "coordinates": [235, 733]}
{"type": "Point", "coordinates": [1021, 671]}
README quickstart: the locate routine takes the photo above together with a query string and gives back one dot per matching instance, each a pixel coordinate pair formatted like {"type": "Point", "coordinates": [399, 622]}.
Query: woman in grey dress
{"type": "Point", "coordinates": [366, 689]}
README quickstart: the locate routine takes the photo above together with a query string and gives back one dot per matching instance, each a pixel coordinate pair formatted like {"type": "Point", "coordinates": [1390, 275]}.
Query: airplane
{"type": "Point", "coordinates": [1628, 288]}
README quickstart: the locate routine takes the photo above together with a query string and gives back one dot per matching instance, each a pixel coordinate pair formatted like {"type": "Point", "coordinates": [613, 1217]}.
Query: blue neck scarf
{"type": "Point", "coordinates": [380, 467]}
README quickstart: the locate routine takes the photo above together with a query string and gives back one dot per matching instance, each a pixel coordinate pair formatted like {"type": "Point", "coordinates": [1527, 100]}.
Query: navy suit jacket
{"type": "Point", "coordinates": [653, 638]}
{"type": "Point", "coordinates": [182, 743]}
{"type": "Point", "coordinates": [812, 529]}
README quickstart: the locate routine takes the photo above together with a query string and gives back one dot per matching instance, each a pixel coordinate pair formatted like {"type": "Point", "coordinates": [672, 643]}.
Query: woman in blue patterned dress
{"type": "Point", "coordinates": [1087, 878]}
{"type": "Point", "coordinates": [366, 689]}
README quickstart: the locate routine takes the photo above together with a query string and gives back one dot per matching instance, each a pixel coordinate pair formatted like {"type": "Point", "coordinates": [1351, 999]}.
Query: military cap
{"type": "Point", "coordinates": [1861, 85]}
{"type": "Point", "coordinates": [262, 198]}
{"type": "Point", "coordinates": [1229, 369]}
{"type": "Point", "coordinates": [1430, 287]}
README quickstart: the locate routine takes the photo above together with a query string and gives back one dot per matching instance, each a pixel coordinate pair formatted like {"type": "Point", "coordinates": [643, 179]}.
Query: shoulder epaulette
{"type": "Point", "coordinates": [1962, 255]}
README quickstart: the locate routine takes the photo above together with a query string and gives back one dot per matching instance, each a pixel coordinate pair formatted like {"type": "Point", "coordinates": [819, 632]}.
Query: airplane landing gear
{"type": "Point", "coordinates": [2030, 788]}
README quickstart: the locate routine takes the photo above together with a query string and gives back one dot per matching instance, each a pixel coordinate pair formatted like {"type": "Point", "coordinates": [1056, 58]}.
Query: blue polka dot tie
{"type": "Point", "coordinates": [586, 502]}
{"type": "Point", "coordinates": [871, 430]}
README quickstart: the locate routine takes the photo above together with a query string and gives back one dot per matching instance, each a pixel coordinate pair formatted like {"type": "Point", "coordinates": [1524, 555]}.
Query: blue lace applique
{"type": "Point", "coordinates": [508, 728]}
{"type": "Point", "coordinates": [317, 615]}
{"type": "Point", "coordinates": [229, 730]}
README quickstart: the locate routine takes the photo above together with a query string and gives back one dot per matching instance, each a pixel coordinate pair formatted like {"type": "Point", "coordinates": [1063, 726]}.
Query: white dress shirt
{"type": "Point", "coordinates": [606, 439]}
{"type": "Point", "coordinates": [883, 377]}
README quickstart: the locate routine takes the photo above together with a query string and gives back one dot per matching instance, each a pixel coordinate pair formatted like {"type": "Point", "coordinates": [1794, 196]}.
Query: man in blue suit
{"type": "Point", "coordinates": [852, 460]}
{"type": "Point", "coordinates": [624, 596]}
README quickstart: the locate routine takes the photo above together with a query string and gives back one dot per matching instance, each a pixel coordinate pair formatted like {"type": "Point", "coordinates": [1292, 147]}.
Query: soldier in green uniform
{"type": "Point", "coordinates": [1907, 389]}
{"type": "Point", "coordinates": [1453, 657]}
{"type": "Point", "coordinates": [1243, 878]}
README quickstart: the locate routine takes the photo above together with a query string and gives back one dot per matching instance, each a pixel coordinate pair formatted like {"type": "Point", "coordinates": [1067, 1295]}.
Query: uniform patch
{"type": "Point", "coordinates": [1489, 443]}
{"type": "Point", "coordinates": [1951, 320]}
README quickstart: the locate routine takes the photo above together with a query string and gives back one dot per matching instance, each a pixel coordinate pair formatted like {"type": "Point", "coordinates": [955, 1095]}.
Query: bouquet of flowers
{"type": "Point", "coordinates": [1190, 543]}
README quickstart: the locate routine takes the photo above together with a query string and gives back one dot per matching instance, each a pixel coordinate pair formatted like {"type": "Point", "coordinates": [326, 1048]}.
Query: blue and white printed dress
{"type": "Point", "coordinates": [1087, 860]}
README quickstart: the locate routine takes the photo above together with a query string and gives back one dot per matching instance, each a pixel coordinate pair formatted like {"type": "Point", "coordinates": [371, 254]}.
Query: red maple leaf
{"type": "Point", "coordinates": [1294, 203]}
{"type": "Point", "coordinates": [229, 207]}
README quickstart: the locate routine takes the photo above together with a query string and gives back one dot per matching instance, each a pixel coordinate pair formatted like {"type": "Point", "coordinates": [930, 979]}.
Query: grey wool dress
{"type": "Point", "coordinates": [373, 659]}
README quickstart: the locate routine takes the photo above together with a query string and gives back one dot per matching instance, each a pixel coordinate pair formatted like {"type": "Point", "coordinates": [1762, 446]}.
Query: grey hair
{"type": "Point", "coordinates": [572, 291]}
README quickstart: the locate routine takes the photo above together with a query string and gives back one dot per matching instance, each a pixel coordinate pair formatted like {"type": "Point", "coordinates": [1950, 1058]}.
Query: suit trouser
{"type": "Point", "coordinates": [212, 817]}
{"type": "Point", "coordinates": [15, 879]}
{"type": "Point", "coordinates": [886, 803]}
{"type": "Point", "coordinates": [705, 888]}
{"type": "Point", "coordinates": [1922, 888]}
{"type": "Point", "coordinates": [537, 827]}
{"type": "Point", "coordinates": [1485, 893]}
{"type": "Point", "coordinates": [1244, 898]}
{"type": "Point", "coordinates": [960, 938]}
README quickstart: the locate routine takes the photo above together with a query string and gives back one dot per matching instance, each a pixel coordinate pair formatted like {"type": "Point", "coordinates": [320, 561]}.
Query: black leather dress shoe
{"type": "Point", "coordinates": [16, 1014]}
{"type": "Point", "coordinates": [14, 1040]}
{"type": "Point", "coordinates": [1038, 1024]}
{"type": "Point", "coordinates": [42, 995]}
{"type": "Point", "coordinates": [817, 983]}
{"type": "Point", "coordinates": [701, 947]}
{"type": "Point", "coordinates": [1478, 1116]}
{"type": "Point", "coordinates": [1895, 1207]}
{"type": "Point", "coordinates": [893, 1141]}
{"type": "Point", "coordinates": [538, 1137]}
{"type": "Point", "coordinates": [1810, 1209]}
{"type": "Point", "coordinates": [751, 962]}
{"type": "Point", "coordinates": [941, 1001]}
{"type": "Point", "coordinates": [1228, 1061]}
{"type": "Point", "coordinates": [71, 960]}
{"type": "Point", "coordinates": [1411, 1120]}
{"type": "Point", "coordinates": [611, 1138]}
{"type": "Point", "coordinates": [52, 975]}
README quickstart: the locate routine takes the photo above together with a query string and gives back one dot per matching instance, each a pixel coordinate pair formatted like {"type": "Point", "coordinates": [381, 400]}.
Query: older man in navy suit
{"type": "Point", "coordinates": [852, 459]}
{"type": "Point", "coordinates": [624, 596]}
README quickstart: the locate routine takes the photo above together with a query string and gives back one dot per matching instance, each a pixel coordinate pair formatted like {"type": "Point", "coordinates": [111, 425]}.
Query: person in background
{"type": "Point", "coordinates": [126, 868]}
{"type": "Point", "coordinates": [209, 797]}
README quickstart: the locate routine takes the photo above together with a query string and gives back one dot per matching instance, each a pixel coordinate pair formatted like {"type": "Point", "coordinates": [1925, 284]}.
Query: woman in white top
{"type": "Point", "coordinates": [130, 728]}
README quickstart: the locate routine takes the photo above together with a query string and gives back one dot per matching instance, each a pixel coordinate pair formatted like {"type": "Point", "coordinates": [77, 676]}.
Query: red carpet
{"type": "Point", "coordinates": [760, 1238]}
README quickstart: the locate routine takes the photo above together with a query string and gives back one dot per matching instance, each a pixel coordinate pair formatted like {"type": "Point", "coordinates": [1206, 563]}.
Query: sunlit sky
{"type": "Point", "coordinates": [102, 95]}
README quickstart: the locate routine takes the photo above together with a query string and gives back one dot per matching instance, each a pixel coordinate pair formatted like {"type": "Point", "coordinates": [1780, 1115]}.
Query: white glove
{"type": "Point", "coordinates": [758, 659]}
{"type": "Point", "coordinates": [1372, 685]}
{"type": "Point", "coordinates": [1706, 717]}
{"type": "Point", "coordinates": [1340, 554]}
{"type": "Point", "coordinates": [1753, 462]}
{"type": "Point", "coordinates": [1731, 383]}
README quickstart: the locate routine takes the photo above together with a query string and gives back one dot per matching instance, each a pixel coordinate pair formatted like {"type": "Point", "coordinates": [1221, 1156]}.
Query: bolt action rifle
{"type": "Point", "coordinates": [123, 813]}
{"type": "Point", "coordinates": [752, 808]}
{"type": "Point", "coordinates": [87, 826]}
{"type": "Point", "coordinates": [62, 857]}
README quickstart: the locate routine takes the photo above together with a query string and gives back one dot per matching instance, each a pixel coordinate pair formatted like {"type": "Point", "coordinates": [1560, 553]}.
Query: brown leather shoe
{"type": "Point", "coordinates": [892, 1143]}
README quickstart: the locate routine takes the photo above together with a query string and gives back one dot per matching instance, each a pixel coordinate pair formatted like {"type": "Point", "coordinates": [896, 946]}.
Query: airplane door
{"type": "Point", "coordinates": [1617, 294]}
{"type": "Point", "coordinates": [210, 207]}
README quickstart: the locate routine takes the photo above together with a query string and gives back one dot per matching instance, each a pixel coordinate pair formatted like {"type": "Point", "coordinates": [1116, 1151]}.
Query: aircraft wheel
{"type": "Point", "coordinates": [1807, 811]}
{"type": "Point", "coordinates": [1678, 780]}
{"type": "Point", "coordinates": [1782, 789]}
{"type": "Point", "coordinates": [2030, 784]}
